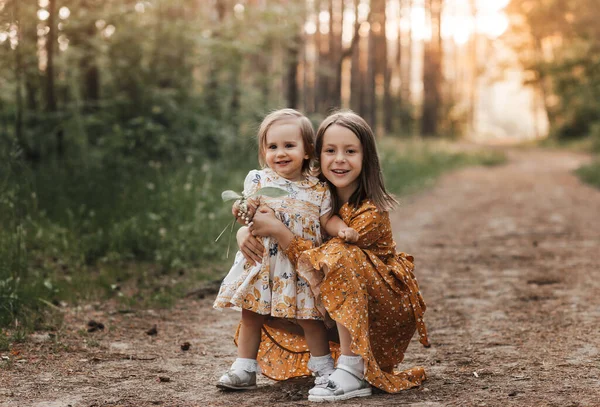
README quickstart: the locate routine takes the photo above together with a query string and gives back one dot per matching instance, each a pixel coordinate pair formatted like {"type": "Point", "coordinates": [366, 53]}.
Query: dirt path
{"type": "Point", "coordinates": [508, 259]}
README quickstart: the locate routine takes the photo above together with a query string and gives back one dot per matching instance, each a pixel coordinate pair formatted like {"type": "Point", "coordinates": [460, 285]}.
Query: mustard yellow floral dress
{"type": "Point", "coordinates": [273, 287]}
{"type": "Point", "coordinates": [369, 288]}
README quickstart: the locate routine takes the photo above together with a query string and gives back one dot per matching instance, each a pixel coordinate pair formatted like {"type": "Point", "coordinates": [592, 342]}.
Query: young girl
{"type": "Point", "coordinates": [369, 288]}
{"type": "Point", "coordinates": [271, 287]}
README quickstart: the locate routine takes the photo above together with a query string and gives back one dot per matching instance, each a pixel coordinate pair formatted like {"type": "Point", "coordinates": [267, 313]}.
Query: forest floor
{"type": "Point", "coordinates": [508, 259]}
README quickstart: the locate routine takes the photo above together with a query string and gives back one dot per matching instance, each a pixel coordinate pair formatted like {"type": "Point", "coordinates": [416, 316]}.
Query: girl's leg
{"type": "Point", "coordinates": [321, 362]}
{"type": "Point", "coordinates": [347, 381]}
{"type": "Point", "coordinates": [345, 340]}
{"type": "Point", "coordinates": [242, 374]}
{"type": "Point", "coordinates": [249, 337]}
{"type": "Point", "coordinates": [315, 333]}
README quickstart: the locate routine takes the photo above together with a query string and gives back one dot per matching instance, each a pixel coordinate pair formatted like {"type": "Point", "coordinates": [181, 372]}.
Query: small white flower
{"type": "Point", "coordinates": [150, 186]}
{"type": "Point", "coordinates": [162, 232]}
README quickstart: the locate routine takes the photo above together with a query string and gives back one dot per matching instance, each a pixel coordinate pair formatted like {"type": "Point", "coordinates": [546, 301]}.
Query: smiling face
{"type": "Point", "coordinates": [284, 150]}
{"type": "Point", "coordinates": [341, 160]}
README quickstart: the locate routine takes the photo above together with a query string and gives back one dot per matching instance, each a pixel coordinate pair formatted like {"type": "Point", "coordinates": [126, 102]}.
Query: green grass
{"type": "Point", "coordinates": [410, 166]}
{"type": "Point", "coordinates": [145, 237]}
{"type": "Point", "coordinates": [590, 173]}
{"type": "Point", "coordinates": [80, 232]}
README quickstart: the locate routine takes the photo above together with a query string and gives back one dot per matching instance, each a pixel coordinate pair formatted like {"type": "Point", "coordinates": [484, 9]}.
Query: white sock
{"type": "Point", "coordinates": [346, 380]}
{"type": "Point", "coordinates": [243, 367]}
{"type": "Point", "coordinates": [321, 365]}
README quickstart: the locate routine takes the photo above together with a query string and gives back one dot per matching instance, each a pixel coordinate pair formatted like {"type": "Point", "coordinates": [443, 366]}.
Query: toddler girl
{"type": "Point", "coordinates": [272, 288]}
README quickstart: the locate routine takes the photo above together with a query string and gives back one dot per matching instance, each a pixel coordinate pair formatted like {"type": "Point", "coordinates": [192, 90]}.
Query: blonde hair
{"type": "Point", "coordinates": [307, 132]}
{"type": "Point", "coordinates": [370, 180]}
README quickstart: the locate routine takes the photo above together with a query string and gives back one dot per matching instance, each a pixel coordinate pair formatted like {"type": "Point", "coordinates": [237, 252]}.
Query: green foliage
{"type": "Point", "coordinates": [18, 290]}
{"type": "Point", "coordinates": [559, 43]}
{"type": "Point", "coordinates": [162, 213]}
{"type": "Point", "coordinates": [69, 229]}
{"type": "Point", "coordinates": [590, 173]}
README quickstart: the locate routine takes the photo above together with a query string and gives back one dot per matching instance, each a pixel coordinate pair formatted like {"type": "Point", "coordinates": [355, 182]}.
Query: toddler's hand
{"type": "Point", "coordinates": [253, 204]}
{"type": "Point", "coordinates": [245, 212]}
{"type": "Point", "coordinates": [349, 235]}
{"type": "Point", "coordinates": [235, 209]}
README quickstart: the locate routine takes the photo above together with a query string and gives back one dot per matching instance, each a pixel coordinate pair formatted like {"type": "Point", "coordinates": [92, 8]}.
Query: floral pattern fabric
{"type": "Point", "coordinates": [273, 287]}
{"type": "Point", "coordinates": [370, 289]}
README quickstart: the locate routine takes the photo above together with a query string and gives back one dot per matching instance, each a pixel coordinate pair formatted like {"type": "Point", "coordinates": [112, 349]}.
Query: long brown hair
{"type": "Point", "coordinates": [370, 181]}
{"type": "Point", "coordinates": [307, 132]}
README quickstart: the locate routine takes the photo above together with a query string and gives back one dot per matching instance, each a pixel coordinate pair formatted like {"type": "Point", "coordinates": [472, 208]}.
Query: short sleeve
{"type": "Point", "coordinates": [326, 204]}
{"type": "Point", "coordinates": [252, 182]}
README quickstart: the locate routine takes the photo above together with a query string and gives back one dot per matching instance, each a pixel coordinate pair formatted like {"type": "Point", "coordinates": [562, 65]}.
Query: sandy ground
{"type": "Point", "coordinates": [508, 259]}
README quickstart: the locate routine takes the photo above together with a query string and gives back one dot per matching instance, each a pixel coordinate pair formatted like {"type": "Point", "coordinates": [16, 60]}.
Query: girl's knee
{"type": "Point", "coordinates": [311, 324]}
{"type": "Point", "coordinates": [252, 318]}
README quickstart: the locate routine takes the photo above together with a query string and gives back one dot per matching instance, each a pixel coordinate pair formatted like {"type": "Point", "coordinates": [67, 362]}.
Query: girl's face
{"type": "Point", "coordinates": [341, 160]}
{"type": "Point", "coordinates": [284, 150]}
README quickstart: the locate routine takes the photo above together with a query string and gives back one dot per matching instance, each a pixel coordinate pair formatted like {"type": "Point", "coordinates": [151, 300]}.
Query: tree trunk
{"type": "Point", "coordinates": [406, 70]}
{"type": "Point", "coordinates": [544, 84]}
{"type": "Point", "coordinates": [211, 92]}
{"type": "Point", "coordinates": [51, 105]}
{"type": "Point", "coordinates": [235, 103]}
{"type": "Point", "coordinates": [432, 74]}
{"type": "Point", "coordinates": [377, 59]}
{"type": "Point", "coordinates": [388, 106]}
{"type": "Point", "coordinates": [89, 68]}
{"type": "Point", "coordinates": [293, 59]}
{"type": "Point", "coordinates": [335, 52]}
{"type": "Point", "coordinates": [344, 54]}
{"type": "Point", "coordinates": [398, 73]}
{"type": "Point", "coordinates": [28, 44]}
{"type": "Point", "coordinates": [474, 73]}
{"type": "Point", "coordinates": [18, 79]}
{"type": "Point", "coordinates": [321, 64]}
{"type": "Point", "coordinates": [356, 84]}
{"type": "Point", "coordinates": [304, 49]}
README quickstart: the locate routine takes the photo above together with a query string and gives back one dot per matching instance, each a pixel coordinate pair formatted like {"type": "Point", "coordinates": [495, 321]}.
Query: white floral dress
{"type": "Point", "coordinates": [273, 287]}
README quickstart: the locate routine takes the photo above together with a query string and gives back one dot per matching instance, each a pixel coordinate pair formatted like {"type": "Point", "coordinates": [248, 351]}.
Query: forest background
{"type": "Point", "coordinates": [121, 121]}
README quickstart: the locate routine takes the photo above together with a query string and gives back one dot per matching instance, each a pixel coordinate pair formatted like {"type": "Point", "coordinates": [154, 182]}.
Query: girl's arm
{"type": "Point", "coordinates": [252, 183]}
{"type": "Point", "coordinates": [266, 224]}
{"type": "Point", "coordinates": [335, 226]}
{"type": "Point", "coordinates": [371, 224]}
{"type": "Point", "coordinates": [250, 246]}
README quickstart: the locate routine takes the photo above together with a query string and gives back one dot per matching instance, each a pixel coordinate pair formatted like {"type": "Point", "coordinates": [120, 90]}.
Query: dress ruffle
{"type": "Point", "coordinates": [353, 296]}
{"type": "Point", "coordinates": [283, 353]}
